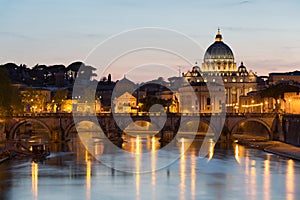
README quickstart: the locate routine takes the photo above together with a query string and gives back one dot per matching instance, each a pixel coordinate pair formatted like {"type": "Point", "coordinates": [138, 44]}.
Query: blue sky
{"type": "Point", "coordinates": [262, 33]}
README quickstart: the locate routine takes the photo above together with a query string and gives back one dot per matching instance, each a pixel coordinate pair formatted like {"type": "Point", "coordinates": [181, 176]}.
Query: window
{"type": "Point", "coordinates": [208, 101]}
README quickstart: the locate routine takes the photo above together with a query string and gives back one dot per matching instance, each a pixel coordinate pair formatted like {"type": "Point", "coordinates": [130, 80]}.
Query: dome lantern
{"type": "Point", "coordinates": [219, 36]}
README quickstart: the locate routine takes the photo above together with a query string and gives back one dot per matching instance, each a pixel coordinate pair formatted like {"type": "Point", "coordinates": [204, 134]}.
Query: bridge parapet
{"type": "Point", "coordinates": [63, 122]}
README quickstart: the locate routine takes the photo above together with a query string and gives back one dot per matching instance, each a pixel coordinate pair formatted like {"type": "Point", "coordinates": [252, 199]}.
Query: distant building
{"type": "Point", "coordinates": [275, 78]}
{"type": "Point", "coordinates": [292, 102]}
{"type": "Point", "coordinates": [197, 98]}
{"type": "Point", "coordinates": [219, 62]}
{"type": "Point", "coordinates": [126, 103]}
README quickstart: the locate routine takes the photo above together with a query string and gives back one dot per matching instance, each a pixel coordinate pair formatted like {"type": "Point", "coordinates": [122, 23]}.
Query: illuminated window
{"type": "Point", "coordinates": [241, 80]}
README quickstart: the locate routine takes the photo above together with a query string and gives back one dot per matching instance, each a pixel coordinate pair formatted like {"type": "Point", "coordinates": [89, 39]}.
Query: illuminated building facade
{"type": "Point", "coordinates": [126, 103]}
{"type": "Point", "coordinates": [286, 77]}
{"type": "Point", "coordinates": [219, 62]}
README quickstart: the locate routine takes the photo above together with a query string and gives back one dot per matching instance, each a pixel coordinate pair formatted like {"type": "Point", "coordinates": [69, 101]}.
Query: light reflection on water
{"type": "Point", "coordinates": [228, 172]}
{"type": "Point", "coordinates": [34, 179]}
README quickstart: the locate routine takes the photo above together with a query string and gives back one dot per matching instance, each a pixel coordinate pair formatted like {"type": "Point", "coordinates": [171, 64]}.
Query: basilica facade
{"type": "Point", "coordinates": [218, 64]}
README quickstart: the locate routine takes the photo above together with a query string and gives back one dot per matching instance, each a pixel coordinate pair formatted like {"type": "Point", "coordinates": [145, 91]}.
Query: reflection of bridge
{"type": "Point", "coordinates": [59, 125]}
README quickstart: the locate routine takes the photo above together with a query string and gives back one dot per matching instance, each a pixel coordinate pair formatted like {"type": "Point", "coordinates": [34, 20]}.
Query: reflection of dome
{"type": "Point", "coordinates": [218, 56]}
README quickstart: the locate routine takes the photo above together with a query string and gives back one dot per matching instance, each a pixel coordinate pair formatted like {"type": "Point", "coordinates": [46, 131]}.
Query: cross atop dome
{"type": "Point", "coordinates": [219, 36]}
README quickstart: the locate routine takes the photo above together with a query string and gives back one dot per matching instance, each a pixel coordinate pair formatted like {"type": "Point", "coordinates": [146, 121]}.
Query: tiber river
{"type": "Point", "coordinates": [229, 171]}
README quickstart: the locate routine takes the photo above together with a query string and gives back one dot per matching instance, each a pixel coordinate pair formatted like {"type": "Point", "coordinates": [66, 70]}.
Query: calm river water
{"type": "Point", "coordinates": [229, 171]}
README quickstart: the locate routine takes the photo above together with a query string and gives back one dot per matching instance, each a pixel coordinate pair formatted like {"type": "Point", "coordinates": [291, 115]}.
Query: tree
{"type": "Point", "coordinates": [10, 100]}
{"type": "Point", "coordinates": [34, 99]}
{"type": "Point", "coordinates": [59, 97]}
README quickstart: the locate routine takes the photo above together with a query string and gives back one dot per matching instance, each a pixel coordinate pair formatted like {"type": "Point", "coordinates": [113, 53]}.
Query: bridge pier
{"type": "Point", "coordinates": [167, 136]}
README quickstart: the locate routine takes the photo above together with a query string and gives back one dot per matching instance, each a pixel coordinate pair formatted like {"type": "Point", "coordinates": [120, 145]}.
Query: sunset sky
{"type": "Point", "coordinates": [264, 34]}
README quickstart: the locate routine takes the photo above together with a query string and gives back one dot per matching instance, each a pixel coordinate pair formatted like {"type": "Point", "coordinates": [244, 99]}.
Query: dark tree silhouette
{"type": "Point", "coordinates": [10, 99]}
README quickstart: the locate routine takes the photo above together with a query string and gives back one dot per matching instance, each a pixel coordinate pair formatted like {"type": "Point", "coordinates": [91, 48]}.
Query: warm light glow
{"type": "Point", "coordinates": [34, 179]}
{"type": "Point", "coordinates": [153, 165]}
{"type": "Point", "coordinates": [182, 147]}
{"type": "Point", "coordinates": [153, 144]}
{"type": "Point", "coordinates": [138, 145]}
{"type": "Point", "coordinates": [236, 153]}
{"type": "Point", "coordinates": [211, 149]}
{"type": "Point", "coordinates": [247, 164]}
{"type": "Point", "coordinates": [267, 179]}
{"type": "Point", "coordinates": [290, 179]}
{"type": "Point", "coordinates": [182, 170]}
{"type": "Point", "coordinates": [193, 176]}
{"type": "Point", "coordinates": [252, 105]}
{"type": "Point", "coordinates": [253, 180]}
{"type": "Point", "coordinates": [88, 179]}
{"type": "Point", "coordinates": [137, 166]}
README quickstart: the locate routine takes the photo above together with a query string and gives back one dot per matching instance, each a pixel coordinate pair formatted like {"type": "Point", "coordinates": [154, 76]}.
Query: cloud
{"type": "Point", "coordinates": [237, 3]}
{"type": "Point", "coordinates": [244, 2]}
{"type": "Point", "coordinates": [252, 29]}
{"type": "Point", "coordinates": [14, 35]}
{"type": "Point", "coordinates": [291, 47]}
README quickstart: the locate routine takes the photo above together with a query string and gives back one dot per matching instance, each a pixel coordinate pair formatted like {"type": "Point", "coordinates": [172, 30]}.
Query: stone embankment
{"type": "Point", "coordinates": [275, 147]}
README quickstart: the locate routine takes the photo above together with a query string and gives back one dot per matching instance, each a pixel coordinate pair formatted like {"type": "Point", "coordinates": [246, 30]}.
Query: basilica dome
{"type": "Point", "coordinates": [218, 50]}
{"type": "Point", "coordinates": [219, 56]}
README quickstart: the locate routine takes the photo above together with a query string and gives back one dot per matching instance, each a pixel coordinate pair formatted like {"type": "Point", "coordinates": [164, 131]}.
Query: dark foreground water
{"type": "Point", "coordinates": [228, 172]}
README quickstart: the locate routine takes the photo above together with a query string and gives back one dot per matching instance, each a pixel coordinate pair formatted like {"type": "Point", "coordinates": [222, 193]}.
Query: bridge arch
{"type": "Point", "coordinates": [251, 120]}
{"type": "Point", "coordinates": [84, 125]}
{"type": "Point", "coordinates": [203, 124]}
{"type": "Point", "coordinates": [14, 128]}
{"type": "Point", "coordinates": [142, 126]}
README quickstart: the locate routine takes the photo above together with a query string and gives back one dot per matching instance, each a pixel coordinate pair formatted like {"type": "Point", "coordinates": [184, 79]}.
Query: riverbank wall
{"type": "Point", "coordinates": [291, 129]}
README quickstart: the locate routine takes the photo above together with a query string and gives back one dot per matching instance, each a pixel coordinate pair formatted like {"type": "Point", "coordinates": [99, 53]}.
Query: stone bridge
{"type": "Point", "coordinates": [59, 125]}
